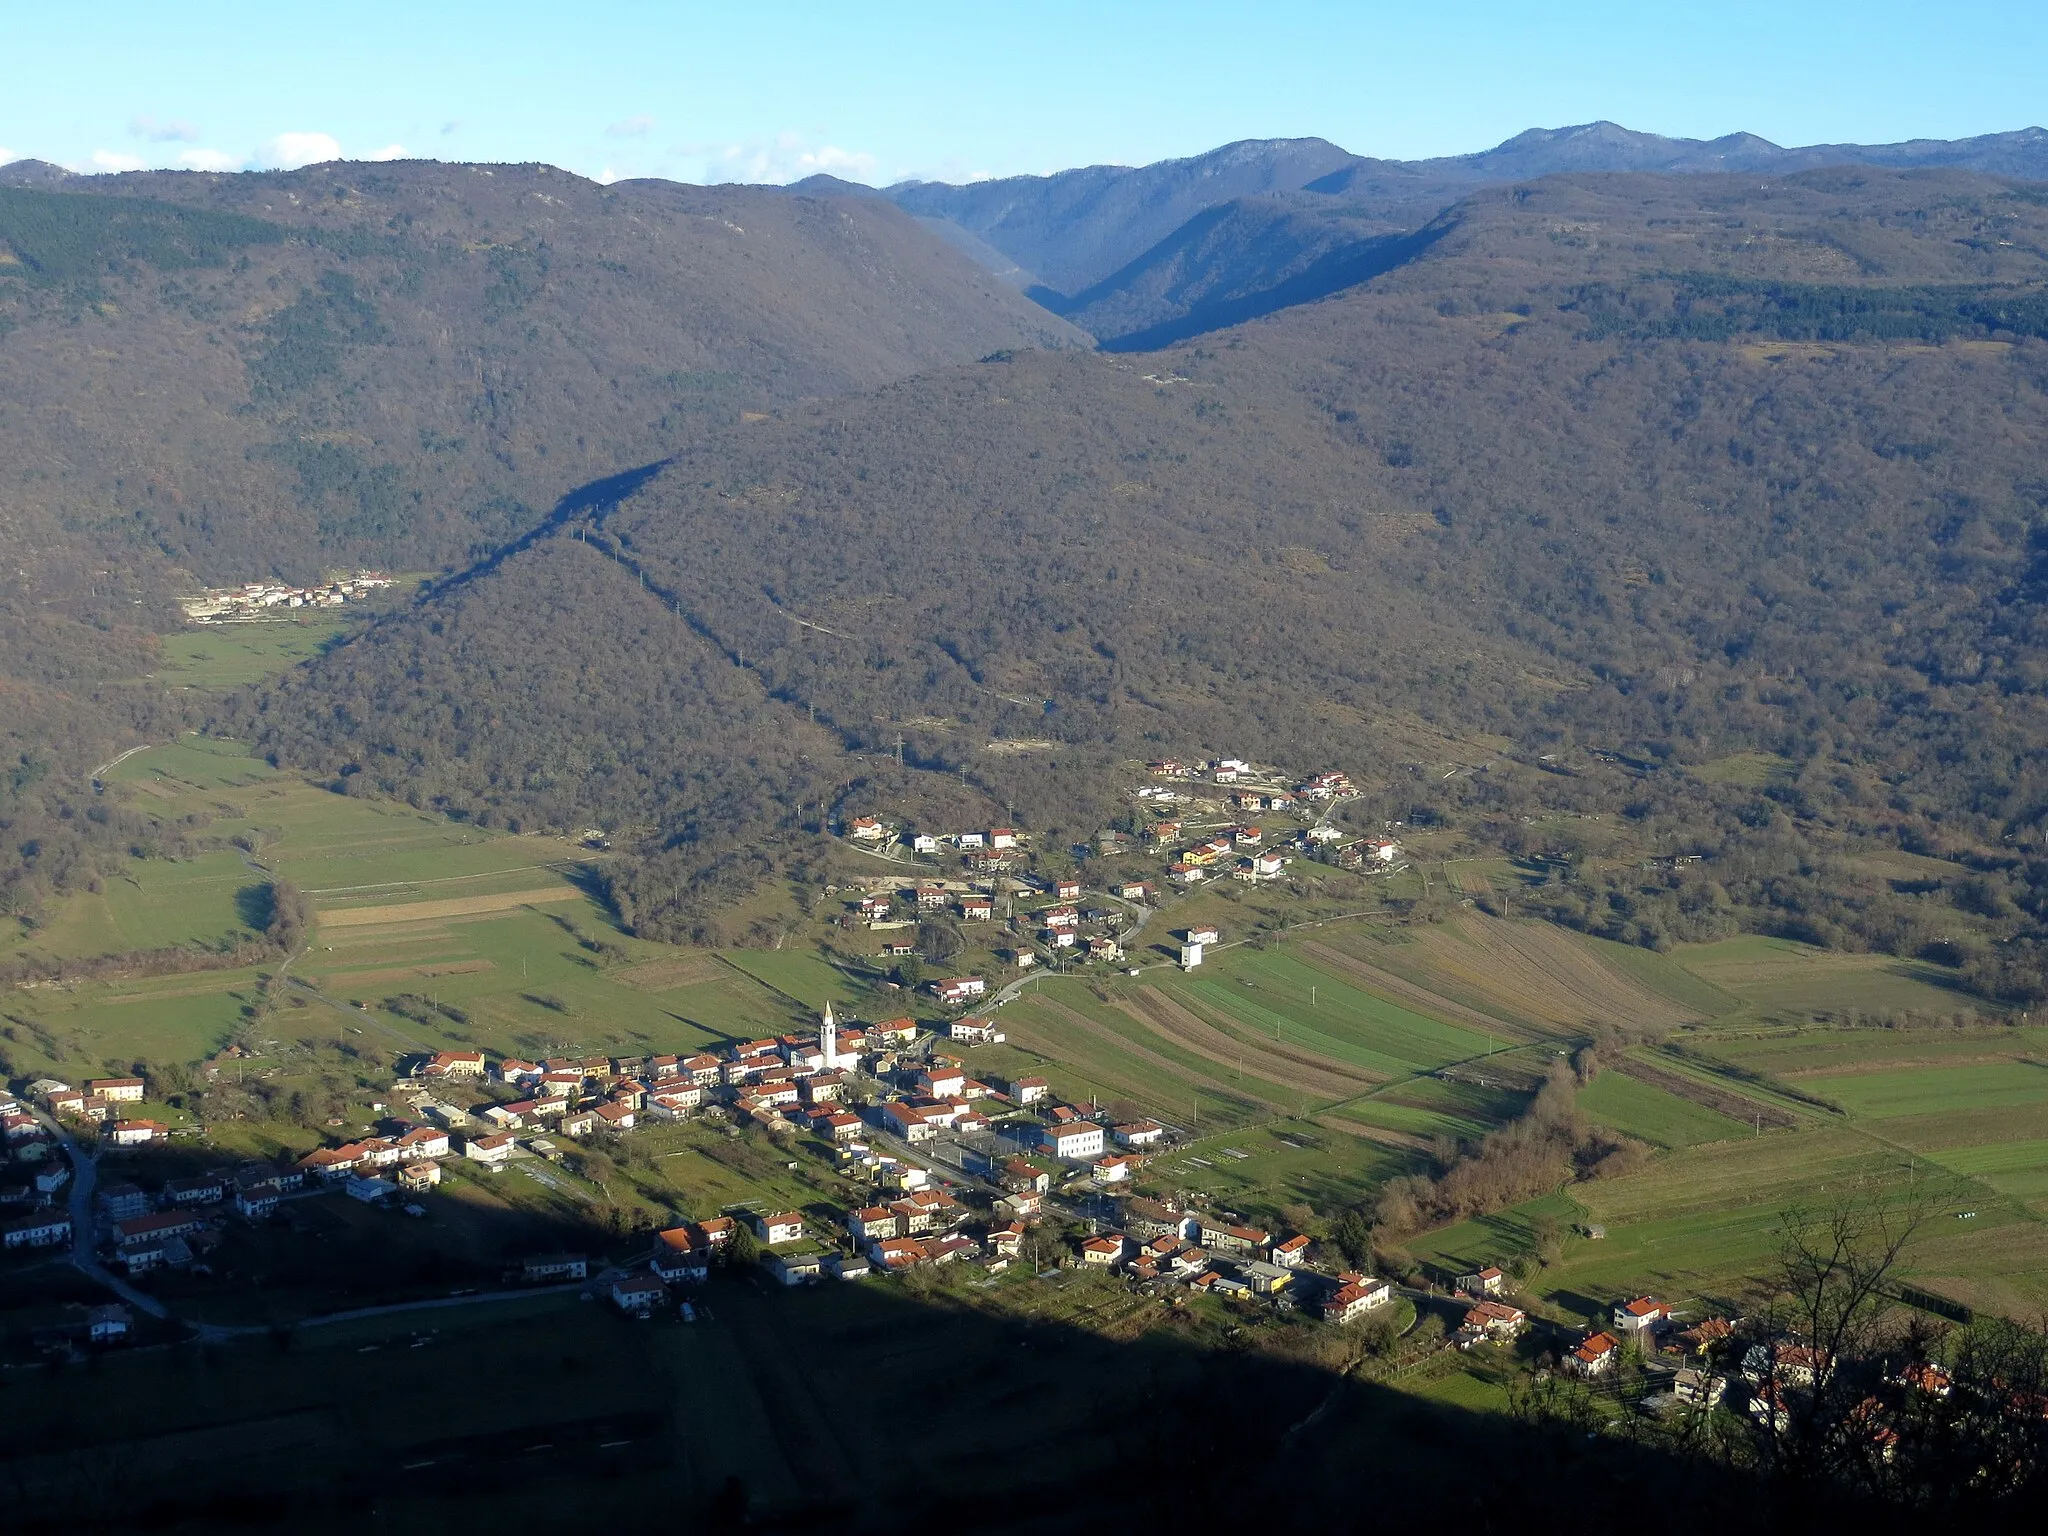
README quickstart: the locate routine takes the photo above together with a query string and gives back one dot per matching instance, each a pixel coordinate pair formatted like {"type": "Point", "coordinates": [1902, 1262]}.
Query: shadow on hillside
{"type": "Point", "coordinates": [1332, 273]}
{"type": "Point", "coordinates": [850, 1407]}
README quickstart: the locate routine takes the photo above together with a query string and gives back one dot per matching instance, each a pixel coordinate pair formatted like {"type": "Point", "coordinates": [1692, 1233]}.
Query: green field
{"type": "Point", "coordinates": [1651, 1113]}
{"type": "Point", "coordinates": [157, 903]}
{"type": "Point", "coordinates": [230, 655]}
{"type": "Point", "coordinates": [1274, 995]}
{"type": "Point", "coordinates": [1927, 1090]}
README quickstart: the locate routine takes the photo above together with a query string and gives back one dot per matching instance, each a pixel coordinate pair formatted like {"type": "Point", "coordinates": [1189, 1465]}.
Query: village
{"type": "Point", "coordinates": [262, 599]}
{"type": "Point", "coordinates": [997, 1176]}
{"type": "Point", "coordinates": [1190, 819]}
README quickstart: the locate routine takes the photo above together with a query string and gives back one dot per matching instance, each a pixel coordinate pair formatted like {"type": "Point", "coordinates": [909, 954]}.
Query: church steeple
{"type": "Point", "coordinates": [828, 1039]}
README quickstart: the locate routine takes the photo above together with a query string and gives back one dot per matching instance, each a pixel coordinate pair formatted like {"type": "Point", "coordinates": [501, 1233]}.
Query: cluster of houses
{"type": "Point", "coordinates": [106, 1102]}
{"type": "Point", "coordinates": [256, 597]}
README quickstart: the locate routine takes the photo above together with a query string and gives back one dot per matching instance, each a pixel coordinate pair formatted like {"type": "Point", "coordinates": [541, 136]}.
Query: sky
{"type": "Point", "coordinates": [882, 91]}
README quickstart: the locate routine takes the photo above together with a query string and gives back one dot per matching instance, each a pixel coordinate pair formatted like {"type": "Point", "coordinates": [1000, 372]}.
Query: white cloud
{"type": "Point", "coordinates": [209, 160]}
{"type": "Point", "coordinates": [607, 176]}
{"type": "Point", "coordinates": [390, 152]}
{"type": "Point", "coordinates": [115, 160]}
{"type": "Point", "coordinates": [637, 126]}
{"type": "Point", "coordinates": [289, 151]}
{"type": "Point", "coordinates": [159, 131]}
{"type": "Point", "coordinates": [787, 158]}
{"type": "Point", "coordinates": [8, 156]}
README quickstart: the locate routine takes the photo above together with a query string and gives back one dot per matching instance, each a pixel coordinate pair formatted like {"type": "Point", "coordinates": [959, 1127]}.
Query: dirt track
{"type": "Point", "coordinates": [456, 906]}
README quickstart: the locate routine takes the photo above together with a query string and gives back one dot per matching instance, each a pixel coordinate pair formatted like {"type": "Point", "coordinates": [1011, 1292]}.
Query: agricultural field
{"type": "Point", "coordinates": [231, 655]}
{"type": "Point", "coordinates": [1653, 1114]}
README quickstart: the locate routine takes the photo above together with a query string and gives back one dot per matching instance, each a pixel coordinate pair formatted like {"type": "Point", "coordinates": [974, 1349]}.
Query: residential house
{"type": "Point", "coordinates": [1644, 1315]}
{"type": "Point", "coordinates": [1002, 837]}
{"type": "Point", "coordinates": [847, 1266]}
{"type": "Point", "coordinates": [515, 1073]}
{"type": "Point", "coordinates": [796, 1268]}
{"type": "Point", "coordinates": [639, 1295]}
{"type": "Point", "coordinates": [1146, 1219]}
{"type": "Point", "coordinates": [1223, 1237]}
{"type": "Point", "coordinates": [1490, 1320]}
{"type": "Point", "coordinates": [553, 1268]}
{"type": "Point", "coordinates": [137, 1133]}
{"type": "Point", "coordinates": [866, 829]}
{"type": "Point", "coordinates": [824, 1087]}
{"type": "Point", "coordinates": [837, 1125]}
{"type": "Point", "coordinates": [368, 1188]}
{"type": "Point", "coordinates": [894, 1032]}
{"type": "Point", "coordinates": [1263, 1278]}
{"type": "Point", "coordinates": [955, 990]}
{"type": "Point", "coordinates": [620, 1117]}
{"type": "Point", "coordinates": [203, 1189]}
{"type": "Point", "coordinates": [897, 1252]}
{"type": "Point", "coordinates": [931, 897]}
{"type": "Point", "coordinates": [159, 1225]}
{"type": "Point", "coordinates": [1597, 1356]}
{"type": "Point", "coordinates": [455, 1064]}
{"type": "Point", "coordinates": [425, 1142]}
{"type": "Point", "coordinates": [1102, 1252]}
{"type": "Point", "coordinates": [780, 1227]}
{"type": "Point", "coordinates": [942, 1079]}
{"type": "Point", "coordinates": [681, 1257]}
{"type": "Point", "coordinates": [49, 1230]}
{"type": "Point", "coordinates": [419, 1177]}
{"type": "Point", "coordinates": [924, 842]}
{"type": "Point", "coordinates": [674, 1103]}
{"type": "Point", "coordinates": [1483, 1282]}
{"type": "Point", "coordinates": [906, 1122]}
{"type": "Point", "coordinates": [108, 1324]}
{"type": "Point", "coordinates": [1139, 1133]}
{"type": "Point", "coordinates": [1115, 1169]}
{"type": "Point", "coordinates": [117, 1090]}
{"type": "Point", "coordinates": [874, 1222]}
{"type": "Point", "coordinates": [580, 1123]}
{"type": "Point", "coordinates": [1077, 1141]}
{"type": "Point", "coordinates": [701, 1070]}
{"type": "Point", "coordinates": [493, 1151]}
{"type": "Point", "coordinates": [118, 1202]}
{"type": "Point", "coordinates": [1017, 1176]}
{"type": "Point", "coordinates": [1007, 1239]}
{"type": "Point", "coordinates": [1135, 890]}
{"type": "Point", "coordinates": [499, 1117]}
{"type": "Point", "coordinates": [977, 909]}
{"type": "Point", "coordinates": [1028, 1090]}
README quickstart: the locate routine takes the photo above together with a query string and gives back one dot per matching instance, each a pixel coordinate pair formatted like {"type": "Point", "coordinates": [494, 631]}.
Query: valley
{"type": "Point", "coordinates": [744, 897]}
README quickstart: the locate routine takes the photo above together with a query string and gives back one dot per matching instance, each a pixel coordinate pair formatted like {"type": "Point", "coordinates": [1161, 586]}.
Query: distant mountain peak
{"type": "Point", "coordinates": [32, 173]}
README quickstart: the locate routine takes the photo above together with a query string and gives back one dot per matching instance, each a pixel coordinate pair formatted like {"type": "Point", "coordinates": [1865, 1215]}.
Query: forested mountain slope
{"type": "Point", "coordinates": [1144, 255]}
{"type": "Point", "coordinates": [402, 363]}
{"type": "Point", "coordinates": [214, 378]}
{"type": "Point", "coordinates": [1670, 468]}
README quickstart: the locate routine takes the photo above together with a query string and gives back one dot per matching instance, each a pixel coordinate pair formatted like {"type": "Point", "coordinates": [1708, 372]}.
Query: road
{"type": "Point", "coordinates": [84, 1181]}
{"type": "Point", "coordinates": [99, 774]}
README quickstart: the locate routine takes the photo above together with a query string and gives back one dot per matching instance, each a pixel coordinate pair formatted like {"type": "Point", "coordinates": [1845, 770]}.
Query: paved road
{"type": "Point", "coordinates": [84, 1180]}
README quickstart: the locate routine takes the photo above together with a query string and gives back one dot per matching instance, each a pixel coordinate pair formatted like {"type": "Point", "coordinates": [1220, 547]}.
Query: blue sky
{"type": "Point", "coordinates": [882, 91]}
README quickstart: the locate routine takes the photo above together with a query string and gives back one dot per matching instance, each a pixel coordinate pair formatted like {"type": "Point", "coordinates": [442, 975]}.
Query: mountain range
{"type": "Point", "coordinates": [1526, 495]}
{"type": "Point", "coordinates": [1139, 256]}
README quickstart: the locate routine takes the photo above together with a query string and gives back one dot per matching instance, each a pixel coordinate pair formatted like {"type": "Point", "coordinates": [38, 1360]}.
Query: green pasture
{"type": "Point", "coordinates": [2015, 1168]}
{"type": "Point", "coordinates": [1653, 1114]}
{"type": "Point", "coordinates": [231, 655]}
{"type": "Point", "coordinates": [1930, 1090]}
{"type": "Point", "coordinates": [1259, 1170]}
{"type": "Point", "coordinates": [156, 904]}
{"type": "Point", "coordinates": [1750, 770]}
{"type": "Point", "coordinates": [194, 762]}
{"type": "Point", "coordinates": [1274, 994]}
{"type": "Point", "coordinates": [1112, 1058]}
{"type": "Point", "coordinates": [1819, 1049]}
{"type": "Point", "coordinates": [1413, 1119]}
{"type": "Point", "coordinates": [797, 974]}
{"type": "Point", "coordinates": [1778, 977]}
